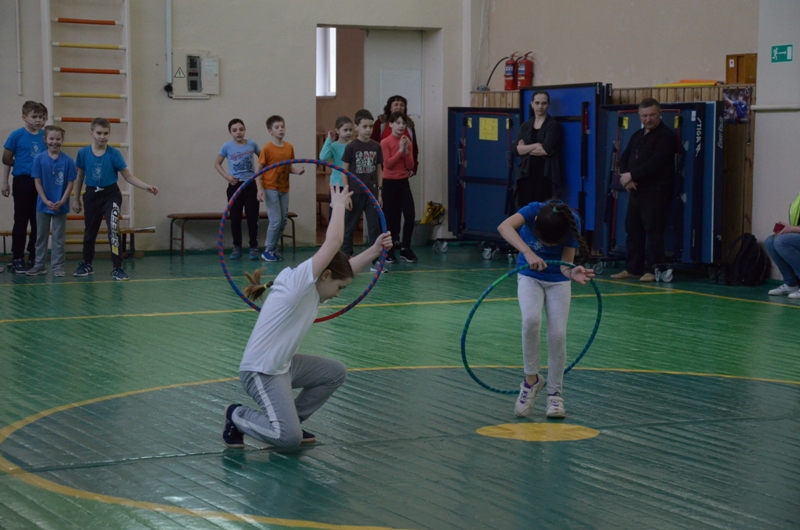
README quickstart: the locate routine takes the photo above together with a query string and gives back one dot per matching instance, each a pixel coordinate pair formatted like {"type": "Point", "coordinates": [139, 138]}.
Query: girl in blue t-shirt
{"type": "Point", "coordinates": [542, 232]}
{"type": "Point", "coordinates": [333, 148]}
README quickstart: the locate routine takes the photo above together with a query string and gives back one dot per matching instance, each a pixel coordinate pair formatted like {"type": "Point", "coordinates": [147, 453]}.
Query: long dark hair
{"type": "Point", "coordinates": [339, 266]}
{"type": "Point", "coordinates": [555, 223]}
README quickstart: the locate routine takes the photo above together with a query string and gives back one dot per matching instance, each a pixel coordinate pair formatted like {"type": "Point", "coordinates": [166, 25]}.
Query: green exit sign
{"type": "Point", "coordinates": [783, 53]}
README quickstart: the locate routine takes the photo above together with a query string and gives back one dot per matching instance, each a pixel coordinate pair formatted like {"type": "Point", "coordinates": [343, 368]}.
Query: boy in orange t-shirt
{"type": "Point", "coordinates": [273, 186]}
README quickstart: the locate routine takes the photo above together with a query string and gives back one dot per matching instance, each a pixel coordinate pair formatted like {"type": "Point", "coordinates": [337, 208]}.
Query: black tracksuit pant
{"type": "Point", "coordinates": [98, 203]}
{"type": "Point", "coordinates": [247, 200]}
{"type": "Point", "coordinates": [646, 224]}
{"type": "Point", "coordinates": [25, 194]}
{"type": "Point", "coordinates": [398, 202]}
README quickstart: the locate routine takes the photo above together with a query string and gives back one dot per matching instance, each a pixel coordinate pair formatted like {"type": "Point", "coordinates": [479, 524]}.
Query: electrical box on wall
{"type": "Point", "coordinates": [196, 74]}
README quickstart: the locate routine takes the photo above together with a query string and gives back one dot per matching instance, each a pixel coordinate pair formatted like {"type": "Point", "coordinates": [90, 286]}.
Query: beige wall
{"type": "Point", "coordinates": [625, 42]}
{"type": "Point", "coordinates": [776, 177]}
{"type": "Point", "coordinates": [267, 55]}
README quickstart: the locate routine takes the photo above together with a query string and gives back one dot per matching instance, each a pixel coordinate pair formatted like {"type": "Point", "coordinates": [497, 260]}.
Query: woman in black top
{"type": "Point", "coordinates": [538, 144]}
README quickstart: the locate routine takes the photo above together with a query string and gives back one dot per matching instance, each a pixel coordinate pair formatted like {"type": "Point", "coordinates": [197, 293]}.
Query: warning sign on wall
{"type": "Point", "coordinates": [179, 73]}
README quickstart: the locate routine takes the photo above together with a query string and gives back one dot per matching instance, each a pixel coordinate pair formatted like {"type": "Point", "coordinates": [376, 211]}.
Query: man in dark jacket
{"type": "Point", "coordinates": [647, 171]}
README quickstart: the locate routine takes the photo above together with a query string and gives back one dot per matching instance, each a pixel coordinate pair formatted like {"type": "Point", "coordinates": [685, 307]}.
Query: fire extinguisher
{"type": "Point", "coordinates": [524, 71]}
{"type": "Point", "coordinates": [511, 72]}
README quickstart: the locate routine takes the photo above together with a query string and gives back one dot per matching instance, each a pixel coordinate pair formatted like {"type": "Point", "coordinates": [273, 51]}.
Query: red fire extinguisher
{"type": "Point", "coordinates": [524, 71]}
{"type": "Point", "coordinates": [511, 72]}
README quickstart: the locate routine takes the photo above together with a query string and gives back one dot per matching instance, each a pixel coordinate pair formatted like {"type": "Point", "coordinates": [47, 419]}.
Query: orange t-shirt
{"type": "Point", "coordinates": [278, 178]}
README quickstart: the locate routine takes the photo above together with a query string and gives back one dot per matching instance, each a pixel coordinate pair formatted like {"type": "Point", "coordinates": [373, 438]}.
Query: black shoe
{"type": "Point", "coordinates": [84, 269]}
{"type": "Point", "coordinates": [232, 436]}
{"type": "Point", "coordinates": [18, 266]}
{"type": "Point", "coordinates": [390, 257]}
{"type": "Point", "coordinates": [308, 438]}
{"type": "Point", "coordinates": [408, 255]}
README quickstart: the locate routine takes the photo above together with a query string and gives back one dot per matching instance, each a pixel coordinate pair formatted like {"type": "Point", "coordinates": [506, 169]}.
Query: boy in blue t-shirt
{"type": "Point", "coordinates": [98, 165]}
{"type": "Point", "coordinates": [54, 176]}
{"type": "Point", "coordinates": [239, 153]}
{"type": "Point", "coordinates": [19, 151]}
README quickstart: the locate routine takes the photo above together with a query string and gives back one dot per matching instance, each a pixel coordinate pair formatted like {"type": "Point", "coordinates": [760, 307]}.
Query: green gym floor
{"type": "Point", "coordinates": [685, 412]}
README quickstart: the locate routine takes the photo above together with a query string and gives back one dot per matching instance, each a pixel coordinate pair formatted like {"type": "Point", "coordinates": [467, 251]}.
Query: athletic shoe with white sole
{"type": "Point", "coordinates": [527, 396]}
{"type": "Point", "coordinates": [784, 289]}
{"type": "Point", "coordinates": [231, 435]}
{"type": "Point", "coordinates": [555, 407]}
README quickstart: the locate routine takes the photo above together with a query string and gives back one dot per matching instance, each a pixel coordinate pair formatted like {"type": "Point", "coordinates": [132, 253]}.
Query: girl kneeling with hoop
{"type": "Point", "coordinates": [271, 366]}
{"type": "Point", "coordinates": [545, 231]}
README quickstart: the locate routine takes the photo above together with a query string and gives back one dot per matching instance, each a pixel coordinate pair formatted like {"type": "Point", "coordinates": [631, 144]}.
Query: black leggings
{"type": "Point", "coordinates": [25, 195]}
{"type": "Point", "coordinates": [398, 202]}
{"type": "Point", "coordinates": [247, 201]}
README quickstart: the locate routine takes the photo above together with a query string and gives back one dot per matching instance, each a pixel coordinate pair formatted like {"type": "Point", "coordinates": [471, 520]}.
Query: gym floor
{"type": "Point", "coordinates": [684, 413]}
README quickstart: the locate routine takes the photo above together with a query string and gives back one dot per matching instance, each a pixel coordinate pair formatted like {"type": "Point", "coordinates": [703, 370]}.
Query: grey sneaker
{"type": "Point", "coordinates": [254, 254]}
{"type": "Point", "coordinates": [36, 270]}
{"type": "Point", "coordinates": [237, 253]}
{"type": "Point", "coordinates": [59, 273]}
{"type": "Point", "coordinates": [527, 397]}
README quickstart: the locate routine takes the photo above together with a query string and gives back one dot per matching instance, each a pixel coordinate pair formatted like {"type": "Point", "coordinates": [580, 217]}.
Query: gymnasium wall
{"type": "Point", "coordinates": [776, 171]}
{"type": "Point", "coordinates": [267, 54]}
{"type": "Point", "coordinates": [629, 43]}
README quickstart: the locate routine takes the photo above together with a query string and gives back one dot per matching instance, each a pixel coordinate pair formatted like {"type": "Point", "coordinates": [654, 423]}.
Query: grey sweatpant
{"type": "Point", "coordinates": [556, 297]}
{"type": "Point", "coordinates": [278, 422]}
{"type": "Point", "coordinates": [59, 227]}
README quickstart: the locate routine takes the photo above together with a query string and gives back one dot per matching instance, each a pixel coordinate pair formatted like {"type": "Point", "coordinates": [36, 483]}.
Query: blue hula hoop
{"type": "Point", "coordinates": [489, 290]}
{"type": "Point", "coordinates": [352, 178]}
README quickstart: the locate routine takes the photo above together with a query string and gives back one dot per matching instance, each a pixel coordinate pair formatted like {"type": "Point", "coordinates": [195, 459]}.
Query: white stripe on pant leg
{"type": "Point", "coordinates": [269, 412]}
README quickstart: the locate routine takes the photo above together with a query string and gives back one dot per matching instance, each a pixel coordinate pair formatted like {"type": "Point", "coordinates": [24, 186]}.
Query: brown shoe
{"type": "Point", "coordinates": [624, 275]}
{"type": "Point", "coordinates": [648, 277]}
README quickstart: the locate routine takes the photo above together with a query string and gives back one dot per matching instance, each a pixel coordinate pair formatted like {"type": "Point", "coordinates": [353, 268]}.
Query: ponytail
{"type": "Point", "coordinates": [555, 223]}
{"type": "Point", "coordinates": [255, 290]}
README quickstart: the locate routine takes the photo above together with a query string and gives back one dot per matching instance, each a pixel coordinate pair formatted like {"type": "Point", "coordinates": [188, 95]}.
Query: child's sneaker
{"type": "Point", "coordinates": [308, 438]}
{"type": "Point", "coordinates": [84, 269]}
{"type": "Point", "coordinates": [408, 255]}
{"type": "Point", "coordinates": [118, 274]}
{"type": "Point", "coordinates": [18, 266]}
{"type": "Point", "coordinates": [555, 407]}
{"type": "Point", "coordinates": [270, 255]}
{"type": "Point", "coordinates": [527, 396]}
{"type": "Point", "coordinates": [783, 290]}
{"type": "Point", "coordinates": [795, 295]}
{"type": "Point", "coordinates": [254, 254]}
{"type": "Point", "coordinates": [59, 273]}
{"type": "Point", "coordinates": [36, 271]}
{"type": "Point", "coordinates": [232, 436]}
{"type": "Point", "coordinates": [390, 257]}
{"type": "Point", "coordinates": [236, 253]}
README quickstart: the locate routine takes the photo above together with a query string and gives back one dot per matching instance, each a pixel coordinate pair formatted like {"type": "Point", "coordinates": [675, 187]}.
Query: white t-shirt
{"type": "Point", "coordinates": [285, 318]}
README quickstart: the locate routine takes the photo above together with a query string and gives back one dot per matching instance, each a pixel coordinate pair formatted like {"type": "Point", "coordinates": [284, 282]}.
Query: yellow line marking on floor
{"type": "Point", "coordinates": [225, 311]}
{"type": "Point", "coordinates": [47, 485]}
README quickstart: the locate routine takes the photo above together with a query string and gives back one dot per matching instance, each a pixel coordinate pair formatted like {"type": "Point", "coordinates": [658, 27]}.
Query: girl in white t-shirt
{"type": "Point", "coordinates": [271, 366]}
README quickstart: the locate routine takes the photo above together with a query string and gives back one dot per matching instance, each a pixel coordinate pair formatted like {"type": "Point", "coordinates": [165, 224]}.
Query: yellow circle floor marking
{"type": "Point", "coordinates": [539, 432]}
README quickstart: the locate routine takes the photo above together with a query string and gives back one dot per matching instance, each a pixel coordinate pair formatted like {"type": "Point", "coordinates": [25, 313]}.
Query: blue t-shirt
{"type": "Point", "coordinates": [100, 171]}
{"type": "Point", "coordinates": [25, 147]}
{"type": "Point", "coordinates": [553, 272]}
{"type": "Point", "coordinates": [55, 174]}
{"type": "Point", "coordinates": [240, 158]}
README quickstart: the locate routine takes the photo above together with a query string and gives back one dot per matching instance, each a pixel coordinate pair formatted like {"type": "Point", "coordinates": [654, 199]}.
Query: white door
{"type": "Point", "coordinates": [393, 65]}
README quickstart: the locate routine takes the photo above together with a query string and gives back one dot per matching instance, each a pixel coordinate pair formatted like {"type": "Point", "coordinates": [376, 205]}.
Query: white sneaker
{"type": "Point", "coordinates": [555, 407]}
{"type": "Point", "coordinates": [783, 290]}
{"type": "Point", "coordinates": [527, 396]}
{"type": "Point", "coordinates": [795, 295]}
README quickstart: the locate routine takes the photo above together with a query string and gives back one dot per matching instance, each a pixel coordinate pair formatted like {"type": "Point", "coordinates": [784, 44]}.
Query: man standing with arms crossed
{"type": "Point", "coordinates": [647, 172]}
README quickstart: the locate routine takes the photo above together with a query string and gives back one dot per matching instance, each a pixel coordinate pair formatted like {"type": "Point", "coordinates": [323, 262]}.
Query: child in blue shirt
{"type": "Point", "coordinates": [19, 151]}
{"type": "Point", "coordinates": [542, 232]}
{"type": "Point", "coordinates": [239, 153]}
{"type": "Point", "coordinates": [54, 176]}
{"type": "Point", "coordinates": [98, 165]}
{"type": "Point", "coordinates": [333, 148]}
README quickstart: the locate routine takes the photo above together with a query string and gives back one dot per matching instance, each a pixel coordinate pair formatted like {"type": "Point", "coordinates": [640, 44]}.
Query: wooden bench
{"type": "Point", "coordinates": [217, 216]}
{"type": "Point", "coordinates": [123, 233]}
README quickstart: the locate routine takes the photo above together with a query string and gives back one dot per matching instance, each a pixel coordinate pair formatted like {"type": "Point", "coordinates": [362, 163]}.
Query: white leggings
{"type": "Point", "coordinates": [556, 297]}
